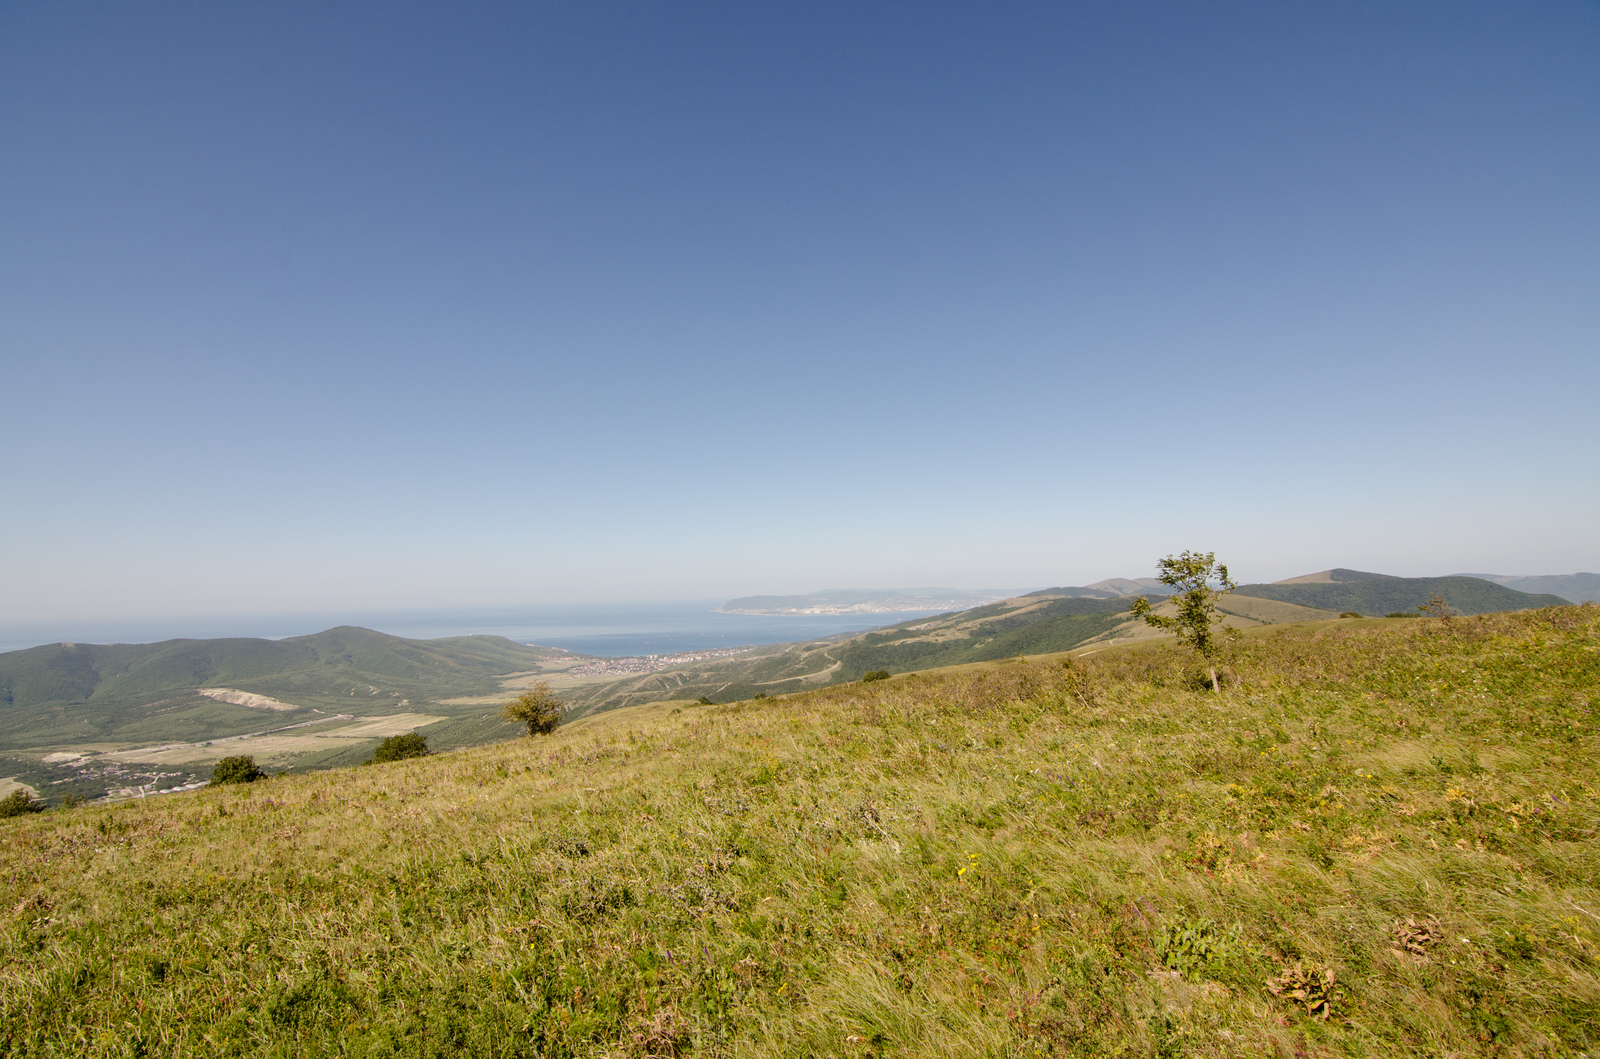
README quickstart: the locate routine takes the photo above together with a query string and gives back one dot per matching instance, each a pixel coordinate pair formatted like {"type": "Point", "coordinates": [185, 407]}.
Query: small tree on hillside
{"type": "Point", "coordinates": [1198, 623]}
{"type": "Point", "coordinates": [241, 769]}
{"type": "Point", "coordinates": [400, 747]}
{"type": "Point", "coordinates": [538, 708]}
{"type": "Point", "coordinates": [1438, 607]}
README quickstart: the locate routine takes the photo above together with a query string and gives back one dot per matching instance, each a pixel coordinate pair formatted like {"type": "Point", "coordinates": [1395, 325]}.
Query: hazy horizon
{"type": "Point", "coordinates": [581, 627]}
{"type": "Point", "coordinates": [360, 308]}
{"type": "Point", "coordinates": [427, 622]}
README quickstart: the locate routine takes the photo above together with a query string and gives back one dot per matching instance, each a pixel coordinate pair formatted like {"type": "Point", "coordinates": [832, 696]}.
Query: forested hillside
{"type": "Point", "coordinates": [1379, 594]}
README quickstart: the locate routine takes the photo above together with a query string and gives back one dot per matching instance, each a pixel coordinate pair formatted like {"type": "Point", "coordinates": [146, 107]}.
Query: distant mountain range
{"type": "Point", "coordinates": [1342, 590]}
{"type": "Point", "coordinates": [1580, 588]}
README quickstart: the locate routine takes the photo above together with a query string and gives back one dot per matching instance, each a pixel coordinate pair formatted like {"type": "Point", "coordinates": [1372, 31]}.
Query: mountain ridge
{"type": "Point", "coordinates": [1579, 587]}
{"type": "Point", "coordinates": [1359, 591]}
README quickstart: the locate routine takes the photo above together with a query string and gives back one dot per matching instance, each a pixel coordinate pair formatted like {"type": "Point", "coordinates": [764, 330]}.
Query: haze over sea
{"type": "Point", "coordinates": [613, 630]}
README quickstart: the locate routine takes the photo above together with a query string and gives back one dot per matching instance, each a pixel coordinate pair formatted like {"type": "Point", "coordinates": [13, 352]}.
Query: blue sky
{"type": "Point", "coordinates": [337, 305]}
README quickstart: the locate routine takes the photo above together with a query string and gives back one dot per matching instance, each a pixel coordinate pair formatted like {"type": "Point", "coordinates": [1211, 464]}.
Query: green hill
{"type": "Point", "coordinates": [112, 698]}
{"type": "Point", "coordinates": [325, 668]}
{"type": "Point", "coordinates": [1378, 842]}
{"type": "Point", "coordinates": [1376, 594]}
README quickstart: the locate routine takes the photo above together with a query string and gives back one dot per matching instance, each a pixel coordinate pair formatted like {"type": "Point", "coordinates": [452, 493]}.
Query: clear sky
{"type": "Point", "coordinates": [317, 305]}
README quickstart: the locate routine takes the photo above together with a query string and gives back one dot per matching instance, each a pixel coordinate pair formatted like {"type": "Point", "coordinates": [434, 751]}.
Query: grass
{"type": "Point", "coordinates": [1379, 842]}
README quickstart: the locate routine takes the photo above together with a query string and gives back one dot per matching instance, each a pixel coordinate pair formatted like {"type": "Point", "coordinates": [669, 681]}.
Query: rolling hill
{"type": "Point", "coordinates": [1376, 594]}
{"type": "Point", "coordinates": [1111, 588]}
{"type": "Point", "coordinates": [1023, 625]}
{"type": "Point", "coordinates": [90, 708]}
{"type": "Point", "coordinates": [1044, 622]}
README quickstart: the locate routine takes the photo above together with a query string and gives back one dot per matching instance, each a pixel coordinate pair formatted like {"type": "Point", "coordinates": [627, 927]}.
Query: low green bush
{"type": "Point", "coordinates": [876, 674]}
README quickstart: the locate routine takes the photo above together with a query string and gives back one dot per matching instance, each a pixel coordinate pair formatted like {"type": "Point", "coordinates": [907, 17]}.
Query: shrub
{"type": "Point", "coordinates": [705, 701]}
{"type": "Point", "coordinates": [538, 708]}
{"type": "Point", "coordinates": [241, 769]}
{"type": "Point", "coordinates": [400, 747]}
{"type": "Point", "coordinates": [1352, 614]}
{"type": "Point", "coordinates": [876, 674]}
{"type": "Point", "coordinates": [1402, 614]}
{"type": "Point", "coordinates": [18, 803]}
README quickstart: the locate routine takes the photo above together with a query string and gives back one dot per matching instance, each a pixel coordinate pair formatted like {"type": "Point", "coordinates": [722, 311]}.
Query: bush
{"type": "Point", "coordinates": [705, 701]}
{"type": "Point", "coordinates": [241, 769]}
{"type": "Point", "coordinates": [1402, 614]}
{"type": "Point", "coordinates": [400, 747]}
{"type": "Point", "coordinates": [538, 708]}
{"type": "Point", "coordinates": [1352, 614]}
{"type": "Point", "coordinates": [876, 674]}
{"type": "Point", "coordinates": [18, 803]}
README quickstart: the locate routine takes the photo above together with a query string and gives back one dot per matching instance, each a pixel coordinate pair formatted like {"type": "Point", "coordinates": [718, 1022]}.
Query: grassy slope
{"type": "Point", "coordinates": [1025, 625]}
{"type": "Point", "coordinates": [1271, 611]}
{"type": "Point", "coordinates": [1376, 594]}
{"type": "Point", "coordinates": [1013, 859]}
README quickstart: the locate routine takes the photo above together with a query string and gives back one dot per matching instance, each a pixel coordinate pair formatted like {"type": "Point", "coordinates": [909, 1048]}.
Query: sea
{"type": "Point", "coordinates": [611, 630]}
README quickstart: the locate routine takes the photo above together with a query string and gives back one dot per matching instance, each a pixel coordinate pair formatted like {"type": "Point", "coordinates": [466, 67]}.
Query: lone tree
{"type": "Point", "coordinates": [241, 769]}
{"type": "Point", "coordinates": [538, 708]}
{"type": "Point", "coordinates": [1438, 607]}
{"type": "Point", "coordinates": [1198, 623]}
{"type": "Point", "coordinates": [400, 747]}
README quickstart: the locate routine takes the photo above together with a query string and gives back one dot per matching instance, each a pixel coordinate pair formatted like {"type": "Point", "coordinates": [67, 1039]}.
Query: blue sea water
{"type": "Point", "coordinates": [612, 630]}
